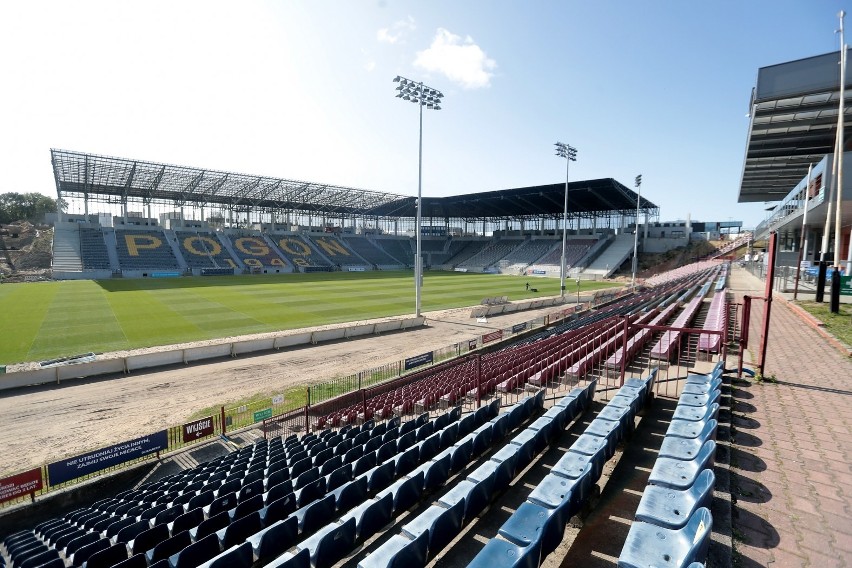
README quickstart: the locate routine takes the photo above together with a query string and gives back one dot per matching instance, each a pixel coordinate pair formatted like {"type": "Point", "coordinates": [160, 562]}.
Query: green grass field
{"type": "Point", "coordinates": [55, 319]}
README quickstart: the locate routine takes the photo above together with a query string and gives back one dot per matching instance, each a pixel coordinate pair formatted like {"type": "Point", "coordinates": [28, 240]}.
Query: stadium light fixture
{"type": "Point", "coordinates": [423, 95]}
{"type": "Point", "coordinates": [636, 232]}
{"type": "Point", "coordinates": [570, 154]}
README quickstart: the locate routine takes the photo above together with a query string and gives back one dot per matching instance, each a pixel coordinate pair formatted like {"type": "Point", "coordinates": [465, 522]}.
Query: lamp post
{"type": "Point", "coordinates": [570, 154]}
{"type": "Point", "coordinates": [636, 235]}
{"type": "Point", "coordinates": [422, 95]}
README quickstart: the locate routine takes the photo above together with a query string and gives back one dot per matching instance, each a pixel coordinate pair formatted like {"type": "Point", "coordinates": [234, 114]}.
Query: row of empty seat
{"type": "Point", "coordinates": [673, 520]}
{"type": "Point", "coordinates": [537, 526]}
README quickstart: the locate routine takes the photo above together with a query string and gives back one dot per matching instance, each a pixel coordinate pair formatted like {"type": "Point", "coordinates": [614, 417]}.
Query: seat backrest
{"type": "Point", "coordinates": [697, 531]}
{"type": "Point", "coordinates": [706, 455]}
{"type": "Point", "coordinates": [708, 432]}
{"type": "Point", "coordinates": [129, 532]}
{"type": "Point", "coordinates": [196, 553]}
{"type": "Point", "coordinates": [188, 520]}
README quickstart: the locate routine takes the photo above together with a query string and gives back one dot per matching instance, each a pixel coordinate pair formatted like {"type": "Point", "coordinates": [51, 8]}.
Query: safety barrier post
{"type": "Point", "coordinates": [222, 415]}
{"type": "Point", "coordinates": [478, 380]}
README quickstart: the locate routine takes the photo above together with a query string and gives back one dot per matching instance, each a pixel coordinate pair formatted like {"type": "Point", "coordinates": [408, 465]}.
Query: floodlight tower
{"type": "Point", "coordinates": [636, 235]}
{"type": "Point", "coordinates": [570, 154]}
{"type": "Point", "coordinates": [423, 95]}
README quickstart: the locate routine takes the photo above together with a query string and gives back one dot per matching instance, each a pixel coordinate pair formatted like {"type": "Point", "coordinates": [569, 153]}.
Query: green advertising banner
{"type": "Point", "coordinates": [263, 414]}
{"type": "Point", "coordinates": [846, 285]}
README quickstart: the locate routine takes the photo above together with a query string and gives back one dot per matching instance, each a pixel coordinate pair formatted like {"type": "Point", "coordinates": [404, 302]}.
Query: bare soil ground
{"type": "Point", "coordinates": [44, 424]}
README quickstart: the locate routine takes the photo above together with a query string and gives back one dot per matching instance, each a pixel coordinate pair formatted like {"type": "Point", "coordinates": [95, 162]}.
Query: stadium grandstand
{"type": "Point", "coordinates": [135, 218]}
{"type": "Point", "coordinates": [471, 461]}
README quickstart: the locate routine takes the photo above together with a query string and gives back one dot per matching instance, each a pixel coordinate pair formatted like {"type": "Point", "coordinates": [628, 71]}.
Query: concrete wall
{"type": "Point", "coordinates": [178, 356]}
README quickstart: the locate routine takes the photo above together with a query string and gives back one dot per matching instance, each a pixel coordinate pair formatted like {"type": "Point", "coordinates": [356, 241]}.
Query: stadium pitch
{"type": "Point", "coordinates": [56, 319]}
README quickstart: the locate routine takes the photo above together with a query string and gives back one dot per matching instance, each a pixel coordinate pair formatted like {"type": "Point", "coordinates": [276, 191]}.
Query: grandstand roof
{"type": "Point", "coordinates": [598, 197]}
{"type": "Point", "coordinates": [793, 123]}
{"type": "Point", "coordinates": [108, 179]}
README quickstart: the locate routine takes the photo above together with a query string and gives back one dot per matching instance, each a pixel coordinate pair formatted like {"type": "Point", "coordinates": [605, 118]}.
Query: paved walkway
{"type": "Point", "coordinates": [791, 473]}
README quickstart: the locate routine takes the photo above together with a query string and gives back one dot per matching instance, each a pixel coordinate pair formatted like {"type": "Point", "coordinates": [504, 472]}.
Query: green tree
{"type": "Point", "coordinates": [25, 206]}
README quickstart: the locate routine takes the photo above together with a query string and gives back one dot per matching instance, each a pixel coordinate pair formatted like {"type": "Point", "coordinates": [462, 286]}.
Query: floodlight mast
{"type": "Point", "coordinates": [423, 95]}
{"type": "Point", "coordinates": [570, 154]}
{"type": "Point", "coordinates": [636, 235]}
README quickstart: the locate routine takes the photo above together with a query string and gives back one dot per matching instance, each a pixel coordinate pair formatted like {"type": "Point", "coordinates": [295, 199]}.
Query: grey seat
{"type": "Point", "coordinates": [650, 545]}
{"type": "Point", "coordinates": [680, 474]}
{"type": "Point", "coordinates": [671, 508]}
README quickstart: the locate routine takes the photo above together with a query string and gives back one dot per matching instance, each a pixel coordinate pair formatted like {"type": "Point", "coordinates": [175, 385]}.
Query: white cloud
{"type": "Point", "coordinates": [369, 66]}
{"type": "Point", "coordinates": [460, 60]}
{"type": "Point", "coordinates": [396, 31]}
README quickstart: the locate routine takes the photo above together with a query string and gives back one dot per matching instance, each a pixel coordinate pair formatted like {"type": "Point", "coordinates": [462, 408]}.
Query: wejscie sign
{"type": "Point", "coordinates": [418, 360]}
{"type": "Point", "coordinates": [198, 429]}
{"type": "Point", "coordinates": [20, 484]}
{"type": "Point", "coordinates": [72, 468]}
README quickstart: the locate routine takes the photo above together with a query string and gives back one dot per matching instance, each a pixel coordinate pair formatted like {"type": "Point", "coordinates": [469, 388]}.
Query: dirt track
{"type": "Point", "coordinates": [47, 423]}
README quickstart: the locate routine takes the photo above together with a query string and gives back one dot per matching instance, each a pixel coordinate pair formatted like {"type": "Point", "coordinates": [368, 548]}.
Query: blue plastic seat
{"type": "Point", "coordinates": [350, 494]}
{"type": "Point", "coordinates": [314, 515]}
{"type": "Point", "coordinates": [680, 474]}
{"type": "Point", "coordinates": [696, 413]}
{"type": "Point", "coordinates": [474, 496]}
{"type": "Point", "coordinates": [386, 451]}
{"type": "Point", "coordinates": [406, 492]}
{"type": "Point", "coordinates": [650, 545]}
{"type": "Point", "coordinates": [278, 509]}
{"type": "Point", "coordinates": [441, 524]}
{"type": "Point", "coordinates": [301, 559]}
{"type": "Point", "coordinates": [449, 435]}
{"type": "Point", "coordinates": [507, 457]}
{"type": "Point", "coordinates": [86, 551]}
{"type": "Point", "coordinates": [331, 543]}
{"type": "Point", "coordinates": [506, 554]}
{"type": "Point", "coordinates": [525, 440]}
{"type": "Point", "coordinates": [687, 448]}
{"type": "Point", "coordinates": [148, 539]}
{"type": "Point", "coordinates": [248, 506]}
{"type": "Point", "coordinates": [624, 400]}
{"type": "Point", "coordinates": [517, 414]}
{"type": "Point", "coordinates": [671, 508]}
{"type": "Point", "coordinates": [687, 399]}
{"type": "Point", "coordinates": [482, 437]}
{"type": "Point", "coordinates": [435, 472]}
{"type": "Point", "coordinates": [424, 431]}
{"type": "Point", "coordinates": [334, 463]}
{"type": "Point", "coordinates": [556, 414]}
{"type": "Point", "coordinates": [338, 477]}
{"type": "Point", "coordinates": [429, 447]}
{"type": "Point", "coordinates": [371, 516]}
{"type": "Point", "coordinates": [274, 539]}
{"type": "Point", "coordinates": [372, 444]}
{"type": "Point", "coordinates": [407, 427]}
{"type": "Point", "coordinates": [608, 430]}
{"type": "Point", "coordinates": [498, 474]}
{"type": "Point", "coordinates": [104, 558]}
{"type": "Point", "coordinates": [239, 530]}
{"type": "Point", "coordinates": [238, 556]}
{"type": "Point", "coordinates": [310, 492]}
{"type": "Point", "coordinates": [462, 452]}
{"type": "Point", "coordinates": [380, 476]}
{"type": "Point", "coordinates": [406, 461]}
{"type": "Point", "coordinates": [173, 545]}
{"type": "Point", "coordinates": [528, 525]}
{"type": "Point", "coordinates": [398, 552]}
{"type": "Point", "coordinates": [196, 553]}
{"type": "Point", "coordinates": [467, 424]}
{"type": "Point", "coordinates": [701, 388]}
{"type": "Point", "coordinates": [547, 429]}
{"type": "Point", "coordinates": [686, 428]}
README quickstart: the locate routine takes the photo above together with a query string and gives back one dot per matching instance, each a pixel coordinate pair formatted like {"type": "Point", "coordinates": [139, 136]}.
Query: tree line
{"type": "Point", "coordinates": [25, 206]}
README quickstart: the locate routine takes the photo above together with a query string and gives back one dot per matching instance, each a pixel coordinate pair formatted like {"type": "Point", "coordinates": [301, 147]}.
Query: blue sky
{"type": "Point", "coordinates": [303, 90]}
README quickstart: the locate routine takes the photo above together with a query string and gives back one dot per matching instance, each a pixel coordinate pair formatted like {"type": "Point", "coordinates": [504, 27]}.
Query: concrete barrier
{"type": "Point", "coordinates": [327, 335]}
{"type": "Point", "coordinates": [90, 369]}
{"type": "Point", "coordinates": [147, 360]}
{"type": "Point", "coordinates": [252, 345]}
{"type": "Point", "coordinates": [206, 352]}
{"type": "Point", "coordinates": [27, 378]}
{"type": "Point", "coordinates": [191, 354]}
{"type": "Point", "coordinates": [385, 326]}
{"type": "Point", "coordinates": [360, 330]}
{"type": "Point", "coordinates": [292, 340]}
